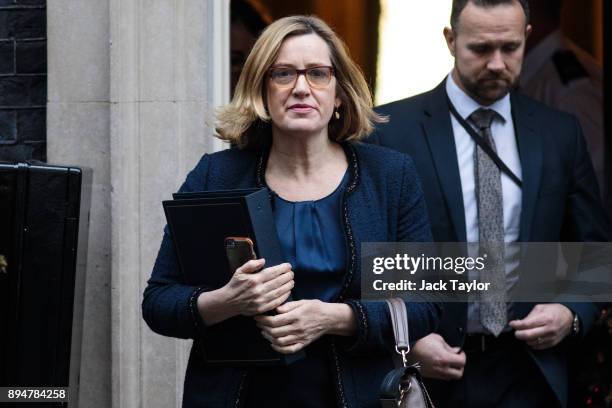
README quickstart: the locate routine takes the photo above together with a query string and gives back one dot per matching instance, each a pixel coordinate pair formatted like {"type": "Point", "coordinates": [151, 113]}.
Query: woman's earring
{"type": "Point", "coordinates": [336, 113]}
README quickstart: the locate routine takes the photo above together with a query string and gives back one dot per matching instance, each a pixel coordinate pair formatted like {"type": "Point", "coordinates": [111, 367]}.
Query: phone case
{"type": "Point", "coordinates": [239, 250]}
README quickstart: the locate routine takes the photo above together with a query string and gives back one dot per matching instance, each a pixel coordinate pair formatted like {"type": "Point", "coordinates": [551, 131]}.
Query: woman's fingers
{"type": "Point", "coordinates": [289, 306]}
{"type": "Point", "coordinates": [278, 320]}
{"type": "Point", "coordinates": [274, 293]}
{"type": "Point", "coordinates": [273, 304]}
{"type": "Point", "coordinates": [294, 348]}
{"type": "Point", "coordinates": [273, 287]}
{"type": "Point", "coordinates": [278, 292]}
{"type": "Point", "coordinates": [262, 275]}
{"type": "Point", "coordinates": [252, 266]}
{"type": "Point", "coordinates": [276, 327]}
{"type": "Point", "coordinates": [258, 292]}
{"type": "Point", "coordinates": [272, 272]}
{"type": "Point", "coordinates": [284, 340]}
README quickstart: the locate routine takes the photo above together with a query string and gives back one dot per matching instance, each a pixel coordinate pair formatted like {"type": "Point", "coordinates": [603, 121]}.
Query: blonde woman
{"type": "Point", "coordinates": [301, 106]}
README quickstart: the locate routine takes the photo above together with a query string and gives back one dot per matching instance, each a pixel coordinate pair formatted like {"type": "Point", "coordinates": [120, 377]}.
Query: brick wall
{"type": "Point", "coordinates": [23, 79]}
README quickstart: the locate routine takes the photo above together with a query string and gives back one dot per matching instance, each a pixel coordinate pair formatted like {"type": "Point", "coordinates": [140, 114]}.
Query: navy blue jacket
{"type": "Point", "coordinates": [382, 202]}
{"type": "Point", "coordinates": [560, 198]}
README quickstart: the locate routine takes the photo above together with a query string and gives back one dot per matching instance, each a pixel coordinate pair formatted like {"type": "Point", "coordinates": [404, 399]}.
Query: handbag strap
{"type": "Point", "coordinates": [399, 321]}
{"type": "Point", "coordinates": [483, 145]}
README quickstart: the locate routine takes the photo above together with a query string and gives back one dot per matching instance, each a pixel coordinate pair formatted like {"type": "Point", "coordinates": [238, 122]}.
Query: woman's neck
{"type": "Point", "coordinates": [299, 156]}
{"type": "Point", "coordinates": [301, 169]}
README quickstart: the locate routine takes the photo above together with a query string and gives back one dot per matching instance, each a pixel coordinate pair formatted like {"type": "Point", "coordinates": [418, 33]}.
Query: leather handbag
{"type": "Point", "coordinates": [403, 387]}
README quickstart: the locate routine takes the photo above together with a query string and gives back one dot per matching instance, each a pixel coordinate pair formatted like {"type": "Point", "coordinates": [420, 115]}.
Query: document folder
{"type": "Point", "coordinates": [199, 222]}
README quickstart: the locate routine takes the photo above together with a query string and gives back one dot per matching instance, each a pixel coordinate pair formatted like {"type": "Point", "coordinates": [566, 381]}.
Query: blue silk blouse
{"type": "Point", "coordinates": [312, 239]}
{"type": "Point", "coordinates": [313, 242]}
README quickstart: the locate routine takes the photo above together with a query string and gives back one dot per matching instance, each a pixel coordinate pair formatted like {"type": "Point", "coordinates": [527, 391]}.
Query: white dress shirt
{"type": "Point", "coordinates": [502, 130]}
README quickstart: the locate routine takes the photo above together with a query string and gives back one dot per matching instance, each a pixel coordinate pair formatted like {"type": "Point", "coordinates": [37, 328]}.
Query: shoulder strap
{"type": "Point", "coordinates": [399, 321]}
{"type": "Point", "coordinates": [483, 145]}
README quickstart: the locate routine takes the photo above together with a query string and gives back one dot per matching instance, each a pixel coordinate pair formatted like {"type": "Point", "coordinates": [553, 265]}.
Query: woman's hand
{"type": "Point", "coordinates": [251, 291]}
{"type": "Point", "coordinates": [299, 323]}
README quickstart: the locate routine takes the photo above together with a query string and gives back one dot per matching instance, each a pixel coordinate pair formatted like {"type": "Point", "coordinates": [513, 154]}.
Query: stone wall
{"type": "Point", "coordinates": [131, 85]}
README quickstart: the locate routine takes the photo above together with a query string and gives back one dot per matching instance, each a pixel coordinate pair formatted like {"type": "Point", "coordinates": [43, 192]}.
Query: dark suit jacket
{"type": "Point", "coordinates": [560, 198]}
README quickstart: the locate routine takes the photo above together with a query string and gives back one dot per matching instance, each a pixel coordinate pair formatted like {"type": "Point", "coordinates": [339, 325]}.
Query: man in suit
{"type": "Point", "coordinates": [492, 353]}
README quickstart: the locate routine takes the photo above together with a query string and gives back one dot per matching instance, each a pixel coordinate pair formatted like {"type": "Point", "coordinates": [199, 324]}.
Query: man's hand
{"type": "Point", "coordinates": [545, 326]}
{"type": "Point", "coordinates": [437, 358]}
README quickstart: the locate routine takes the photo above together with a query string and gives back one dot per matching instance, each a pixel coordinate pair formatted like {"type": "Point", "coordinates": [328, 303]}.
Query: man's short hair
{"type": "Point", "coordinates": [459, 5]}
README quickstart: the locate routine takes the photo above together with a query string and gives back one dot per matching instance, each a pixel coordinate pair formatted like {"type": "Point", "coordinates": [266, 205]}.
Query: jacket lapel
{"type": "Point", "coordinates": [439, 132]}
{"type": "Point", "coordinates": [530, 151]}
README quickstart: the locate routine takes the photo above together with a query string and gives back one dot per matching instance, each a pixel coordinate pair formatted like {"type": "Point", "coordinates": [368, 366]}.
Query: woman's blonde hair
{"type": "Point", "coordinates": [245, 121]}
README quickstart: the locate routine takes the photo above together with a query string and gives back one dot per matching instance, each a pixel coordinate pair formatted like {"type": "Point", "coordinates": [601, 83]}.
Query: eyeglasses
{"type": "Point", "coordinates": [286, 77]}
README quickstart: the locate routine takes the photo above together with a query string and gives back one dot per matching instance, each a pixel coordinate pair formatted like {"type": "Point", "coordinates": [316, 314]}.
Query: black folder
{"type": "Point", "coordinates": [199, 222]}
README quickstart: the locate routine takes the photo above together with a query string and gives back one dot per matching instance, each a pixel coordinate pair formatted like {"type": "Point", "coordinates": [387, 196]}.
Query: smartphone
{"type": "Point", "coordinates": [239, 250]}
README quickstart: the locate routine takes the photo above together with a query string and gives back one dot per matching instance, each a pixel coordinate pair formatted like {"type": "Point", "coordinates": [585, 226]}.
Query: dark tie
{"type": "Point", "coordinates": [493, 315]}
